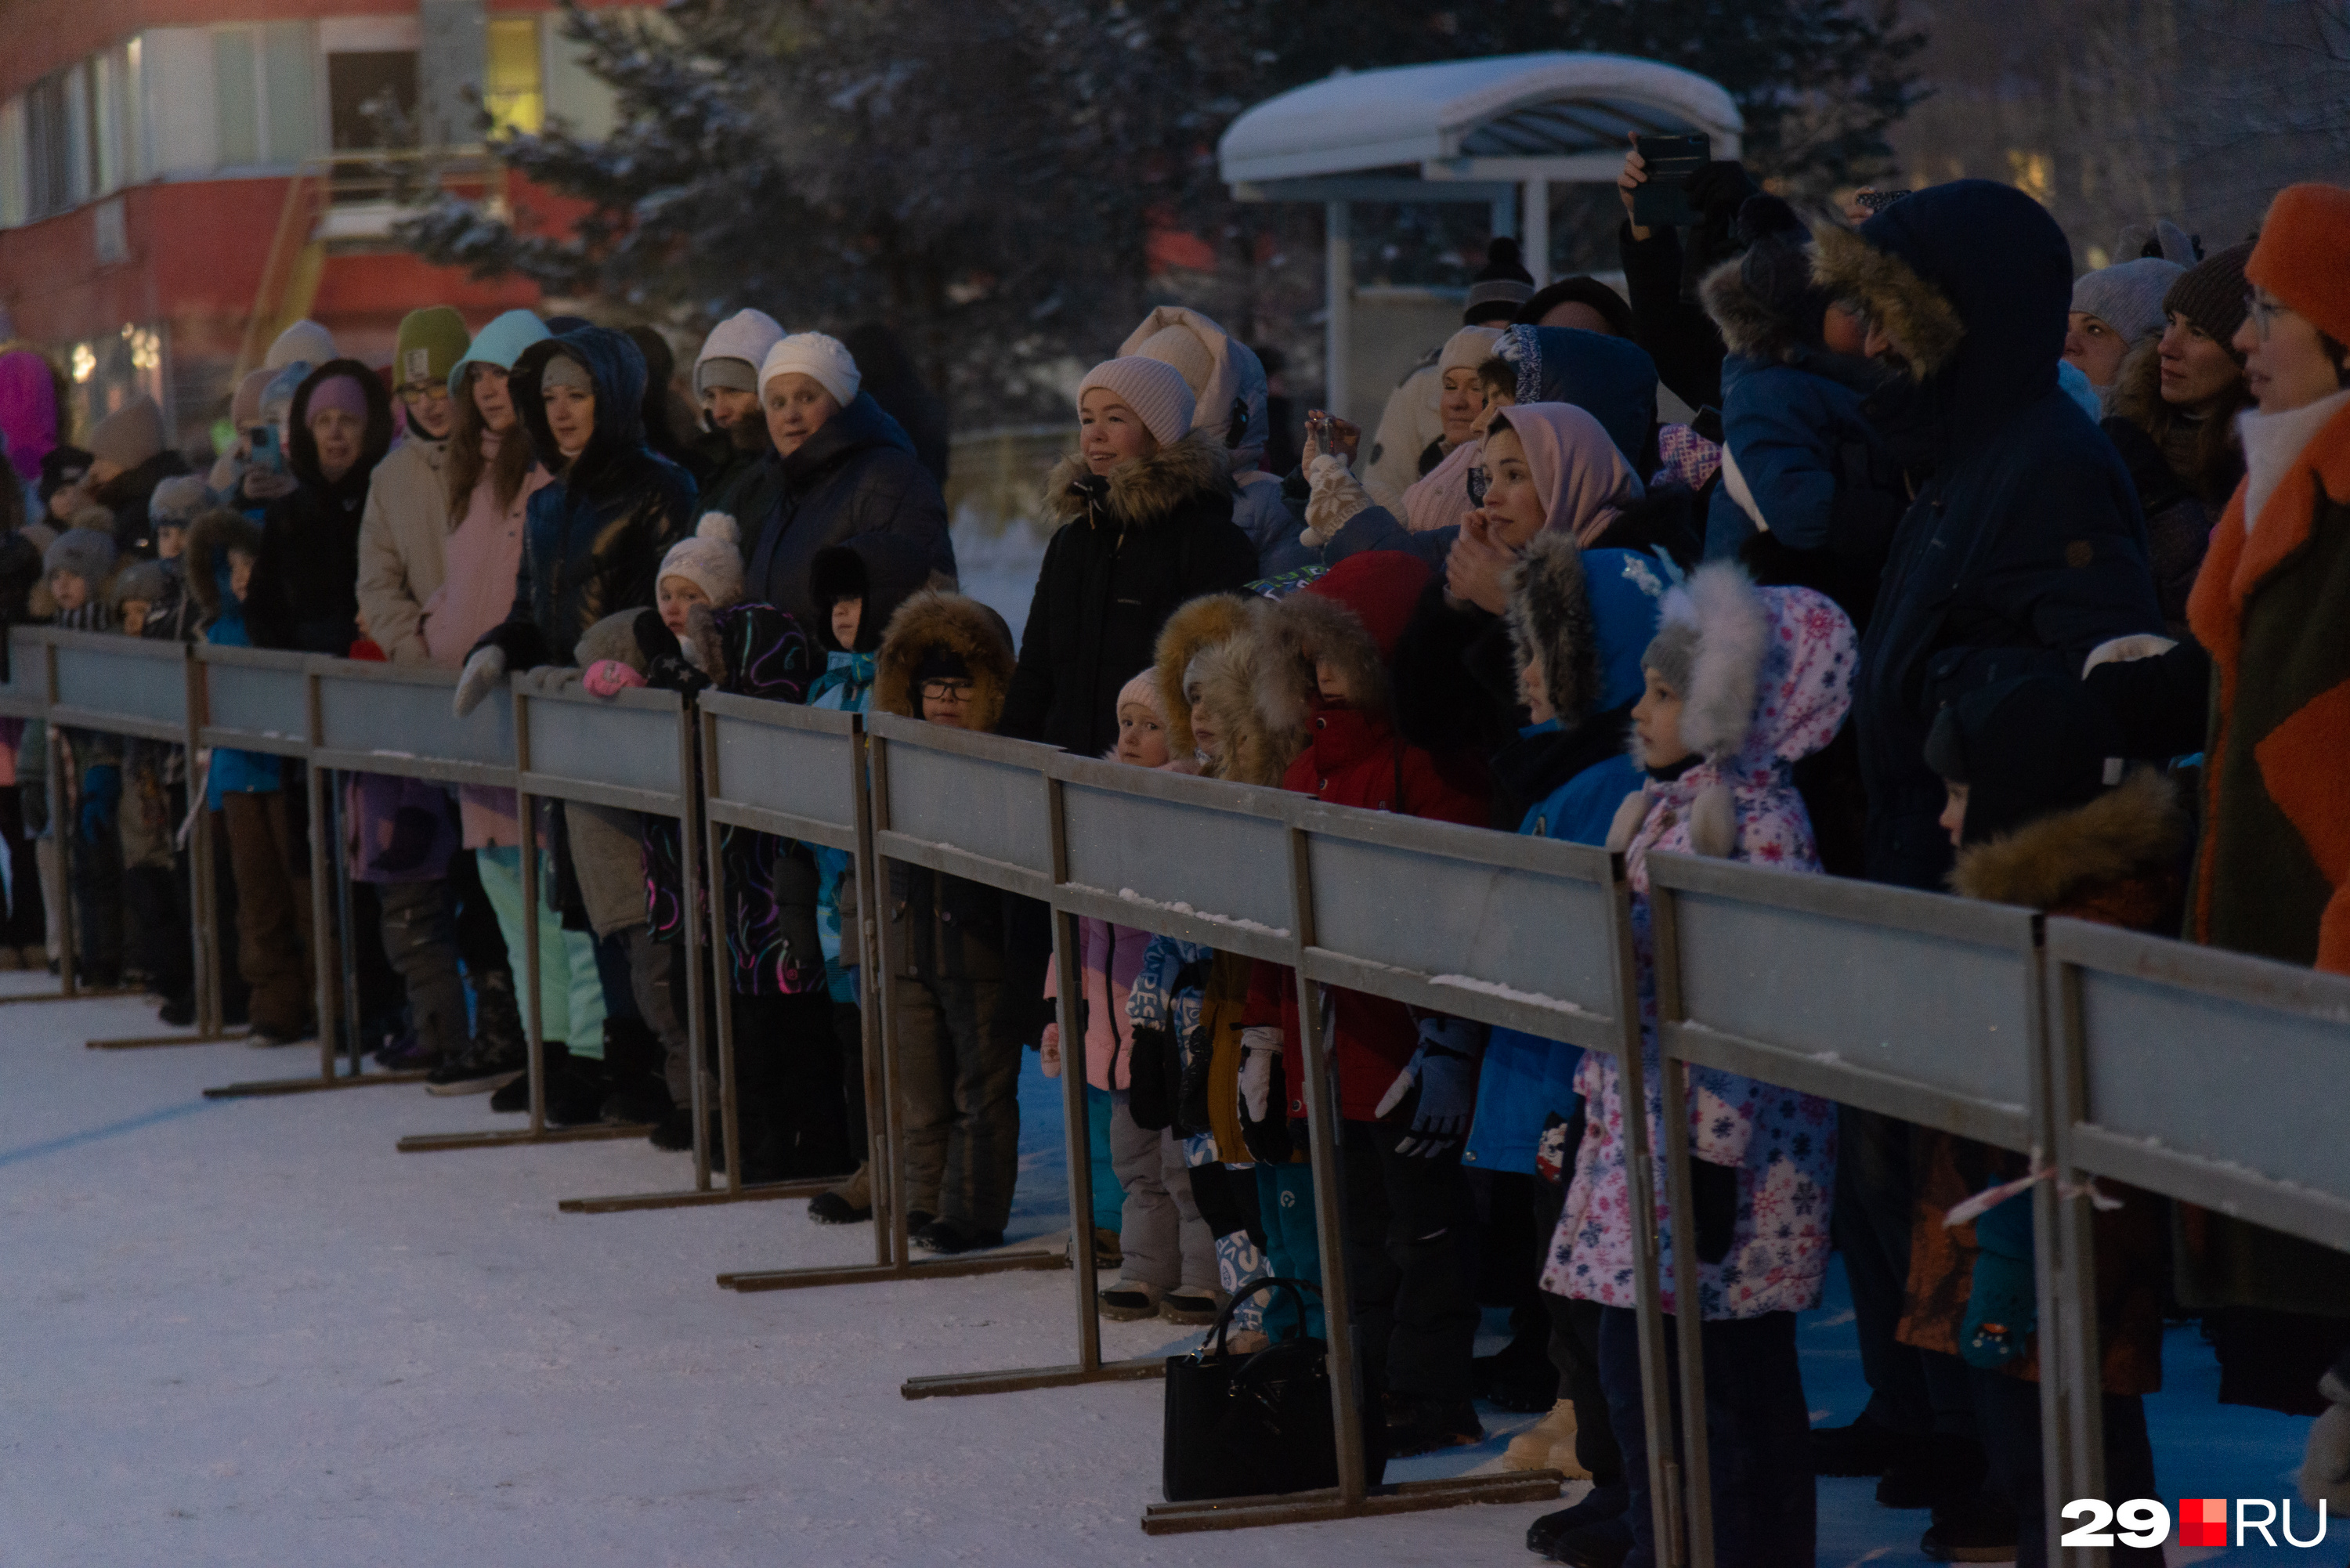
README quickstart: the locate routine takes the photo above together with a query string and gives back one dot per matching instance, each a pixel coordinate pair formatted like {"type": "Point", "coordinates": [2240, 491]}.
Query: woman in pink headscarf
{"type": "Point", "coordinates": [1550, 468]}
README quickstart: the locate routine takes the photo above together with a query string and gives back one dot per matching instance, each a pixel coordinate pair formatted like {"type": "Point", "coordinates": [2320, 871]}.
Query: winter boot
{"type": "Point", "coordinates": [1940, 1471]}
{"type": "Point", "coordinates": [1607, 1500]}
{"type": "Point", "coordinates": [1978, 1529]}
{"type": "Point", "coordinates": [632, 1058]}
{"type": "Point", "coordinates": [1604, 1545]}
{"type": "Point", "coordinates": [514, 1094]}
{"type": "Point", "coordinates": [1418, 1424]}
{"type": "Point", "coordinates": [1192, 1304]}
{"type": "Point", "coordinates": [1861, 1449]}
{"type": "Point", "coordinates": [499, 1053]}
{"type": "Point", "coordinates": [574, 1097]}
{"type": "Point", "coordinates": [1130, 1300]}
{"type": "Point", "coordinates": [1547, 1445]}
{"type": "Point", "coordinates": [850, 1203]}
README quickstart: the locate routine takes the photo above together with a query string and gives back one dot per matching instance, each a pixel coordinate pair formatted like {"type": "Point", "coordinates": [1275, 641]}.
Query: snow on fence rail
{"type": "Point", "coordinates": [2179, 1070]}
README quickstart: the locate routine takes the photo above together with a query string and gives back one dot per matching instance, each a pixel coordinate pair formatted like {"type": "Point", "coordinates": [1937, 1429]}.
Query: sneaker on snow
{"type": "Point", "coordinates": [1419, 1426]}
{"type": "Point", "coordinates": [1130, 1300]}
{"type": "Point", "coordinates": [948, 1236]}
{"type": "Point", "coordinates": [1605, 1502]}
{"type": "Point", "coordinates": [406, 1054]}
{"type": "Point", "coordinates": [475, 1073]}
{"type": "Point", "coordinates": [1191, 1305]}
{"type": "Point", "coordinates": [1603, 1544]}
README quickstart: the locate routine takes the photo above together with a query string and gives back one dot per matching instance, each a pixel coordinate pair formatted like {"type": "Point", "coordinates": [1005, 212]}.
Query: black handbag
{"type": "Point", "coordinates": [1257, 1425]}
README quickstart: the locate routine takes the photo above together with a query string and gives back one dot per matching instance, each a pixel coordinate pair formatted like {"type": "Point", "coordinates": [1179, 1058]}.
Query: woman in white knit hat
{"type": "Point", "coordinates": [845, 468]}
{"type": "Point", "coordinates": [1146, 513]}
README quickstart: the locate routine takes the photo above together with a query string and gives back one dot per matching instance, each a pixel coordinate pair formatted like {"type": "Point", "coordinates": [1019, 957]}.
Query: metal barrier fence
{"type": "Point", "coordinates": [2182, 1071]}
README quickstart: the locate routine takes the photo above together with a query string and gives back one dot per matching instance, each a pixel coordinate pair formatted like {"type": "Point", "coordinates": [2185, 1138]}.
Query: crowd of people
{"type": "Point", "coordinates": [1968, 575]}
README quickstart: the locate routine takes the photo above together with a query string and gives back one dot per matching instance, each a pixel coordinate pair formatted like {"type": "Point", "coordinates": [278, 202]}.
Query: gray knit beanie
{"type": "Point", "coordinates": [88, 553]}
{"type": "Point", "coordinates": [177, 500]}
{"type": "Point", "coordinates": [2128, 296]}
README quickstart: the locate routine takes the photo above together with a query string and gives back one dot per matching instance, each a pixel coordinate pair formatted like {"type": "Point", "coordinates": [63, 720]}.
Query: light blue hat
{"type": "Point", "coordinates": [500, 343]}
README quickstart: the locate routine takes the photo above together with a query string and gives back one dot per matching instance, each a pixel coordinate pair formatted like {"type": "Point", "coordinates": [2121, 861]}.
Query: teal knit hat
{"type": "Point", "coordinates": [500, 343]}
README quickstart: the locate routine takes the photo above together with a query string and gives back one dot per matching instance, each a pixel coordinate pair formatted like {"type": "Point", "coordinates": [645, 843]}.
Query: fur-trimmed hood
{"type": "Point", "coordinates": [1255, 751]}
{"type": "Point", "coordinates": [1200, 624]}
{"type": "Point", "coordinates": [1143, 491]}
{"type": "Point", "coordinates": [210, 539]}
{"type": "Point", "coordinates": [1973, 281]}
{"type": "Point", "coordinates": [1589, 614]}
{"type": "Point", "coordinates": [1749, 326]}
{"type": "Point", "coordinates": [2137, 830]}
{"type": "Point", "coordinates": [1352, 615]}
{"type": "Point", "coordinates": [1770, 680]}
{"type": "Point", "coordinates": [962, 625]}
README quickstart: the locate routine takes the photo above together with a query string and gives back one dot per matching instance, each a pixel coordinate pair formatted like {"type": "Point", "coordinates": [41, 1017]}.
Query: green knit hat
{"type": "Point", "coordinates": [432, 341]}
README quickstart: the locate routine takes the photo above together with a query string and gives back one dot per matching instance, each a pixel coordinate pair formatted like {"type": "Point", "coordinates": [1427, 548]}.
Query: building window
{"type": "Point", "coordinates": [264, 86]}
{"type": "Point", "coordinates": [513, 91]}
{"type": "Point", "coordinates": [372, 98]}
{"type": "Point", "coordinates": [239, 107]}
{"type": "Point", "coordinates": [48, 149]}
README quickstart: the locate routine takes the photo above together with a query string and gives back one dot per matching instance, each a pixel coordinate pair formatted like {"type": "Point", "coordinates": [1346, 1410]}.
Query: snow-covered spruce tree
{"type": "Point", "coordinates": [983, 174]}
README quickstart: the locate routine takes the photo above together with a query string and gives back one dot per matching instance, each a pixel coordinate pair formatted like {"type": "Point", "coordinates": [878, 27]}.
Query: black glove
{"type": "Point", "coordinates": [1152, 1070]}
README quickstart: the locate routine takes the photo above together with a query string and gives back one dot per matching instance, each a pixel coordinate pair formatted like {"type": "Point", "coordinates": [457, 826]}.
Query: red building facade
{"type": "Point", "coordinates": [180, 177]}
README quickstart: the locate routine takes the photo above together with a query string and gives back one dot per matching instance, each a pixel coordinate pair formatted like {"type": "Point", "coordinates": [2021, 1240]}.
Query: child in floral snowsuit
{"type": "Point", "coordinates": [1742, 682]}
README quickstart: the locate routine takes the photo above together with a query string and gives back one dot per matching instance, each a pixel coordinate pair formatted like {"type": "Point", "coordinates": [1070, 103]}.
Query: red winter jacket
{"type": "Point", "coordinates": [1357, 759]}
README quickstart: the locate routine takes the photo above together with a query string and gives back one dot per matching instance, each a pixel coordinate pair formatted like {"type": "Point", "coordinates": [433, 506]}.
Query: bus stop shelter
{"type": "Point", "coordinates": [1497, 131]}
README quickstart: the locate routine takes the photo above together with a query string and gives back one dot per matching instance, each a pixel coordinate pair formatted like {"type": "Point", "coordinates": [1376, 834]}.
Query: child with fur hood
{"type": "Point", "coordinates": [1579, 621]}
{"type": "Point", "coordinates": [947, 660]}
{"type": "Point", "coordinates": [2026, 764]}
{"type": "Point", "coordinates": [1405, 1084]}
{"type": "Point", "coordinates": [1259, 1214]}
{"type": "Point", "coordinates": [1742, 682]}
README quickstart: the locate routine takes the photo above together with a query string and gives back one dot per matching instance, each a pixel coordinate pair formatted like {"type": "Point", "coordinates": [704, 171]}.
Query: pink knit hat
{"type": "Point", "coordinates": [1153, 388]}
{"type": "Point", "coordinates": [1143, 691]}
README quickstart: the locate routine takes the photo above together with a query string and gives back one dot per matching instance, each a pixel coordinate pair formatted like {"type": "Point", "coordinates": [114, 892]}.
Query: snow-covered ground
{"type": "Point", "coordinates": [250, 1332]}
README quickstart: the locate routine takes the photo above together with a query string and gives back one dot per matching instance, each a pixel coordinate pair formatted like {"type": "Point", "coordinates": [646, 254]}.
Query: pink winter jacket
{"type": "Point", "coordinates": [485, 557]}
{"type": "Point", "coordinates": [1112, 956]}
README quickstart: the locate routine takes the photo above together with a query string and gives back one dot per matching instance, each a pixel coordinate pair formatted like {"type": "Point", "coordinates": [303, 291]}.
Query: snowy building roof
{"type": "Point", "coordinates": [1557, 116]}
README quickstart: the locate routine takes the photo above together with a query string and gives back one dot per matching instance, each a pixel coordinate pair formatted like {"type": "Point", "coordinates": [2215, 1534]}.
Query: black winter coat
{"type": "Point", "coordinates": [1133, 546]}
{"type": "Point", "coordinates": [127, 494]}
{"type": "Point", "coordinates": [858, 475]}
{"type": "Point", "coordinates": [305, 591]}
{"type": "Point", "coordinates": [593, 541]}
{"type": "Point", "coordinates": [2024, 549]}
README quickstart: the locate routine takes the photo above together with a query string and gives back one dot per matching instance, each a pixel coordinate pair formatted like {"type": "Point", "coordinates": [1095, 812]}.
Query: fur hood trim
{"type": "Point", "coordinates": [1300, 630]}
{"type": "Point", "coordinates": [1748, 326]}
{"type": "Point", "coordinates": [1195, 626]}
{"type": "Point", "coordinates": [1550, 615]}
{"type": "Point", "coordinates": [702, 645]}
{"type": "Point", "coordinates": [210, 539]}
{"type": "Point", "coordinates": [963, 625]}
{"type": "Point", "coordinates": [2136, 829]}
{"type": "Point", "coordinates": [1254, 752]}
{"type": "Point", "coordinates": [1733, 633]}
{"type": "Point", "coordinates": [1147, 489]}
{"type": "Point", "coordinates": [1923, 323]}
